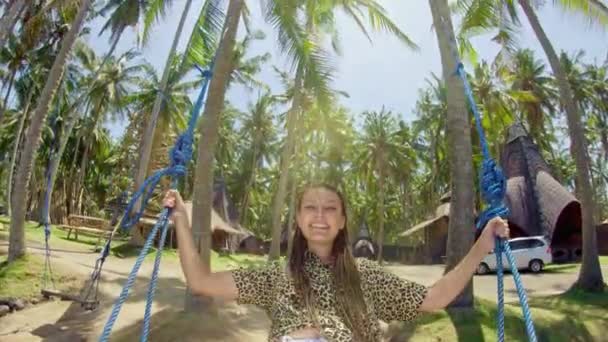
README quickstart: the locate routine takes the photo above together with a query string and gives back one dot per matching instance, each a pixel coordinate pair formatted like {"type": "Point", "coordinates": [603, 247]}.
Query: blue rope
{"type": "Point", "coordinates": [493, 188]}
{"type": "Point", "coordinates": [180, 155]}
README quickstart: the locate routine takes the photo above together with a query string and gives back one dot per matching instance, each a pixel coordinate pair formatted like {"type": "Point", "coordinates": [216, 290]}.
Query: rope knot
{"type": "Point", "coordinates": [493, 183]}
{"type": "Point", "coordinates": [181, 153]}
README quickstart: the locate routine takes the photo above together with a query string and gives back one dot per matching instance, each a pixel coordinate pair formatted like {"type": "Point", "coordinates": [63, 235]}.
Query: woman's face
{"type": "Point", "coordinates": [320, 216]}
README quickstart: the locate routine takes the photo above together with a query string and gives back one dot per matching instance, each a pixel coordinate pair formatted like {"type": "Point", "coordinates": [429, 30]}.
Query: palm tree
{"type": "Point", "coordinates": [24, 169]}
{"type": "Point", "coordinates": [14, 56]}
{"type": "Point", "coordinates": [527, 74]}
{"type": "Point", "coordinates": [488, 15]}
{"type": "Point", "coordinates": [590, 276]}
{"type": "Point", "coordinates": [598, 78]}
{"type": "Point", "coordinates": [10, 18]}
{"type": "Point", "coordinates": [259, 133]}
{"type": "Point", "coordinates": [146, 144]}
{"type": "Point", "coordinates": [127, 14]}
{"type": "Point", "coordinates": [301, 40]}
{"type": "Point", "coordinates": [209, 127]}
{"type": "Point", "coordinates": [171, 118]}
{"type": "Point", "coordinates": [381, 154]}
{"type": "Point", "coordinates": [461, 226]}
{"type": "Point", "coordinates": [430, 128]}
{"type": "Point", "coordinates": [107, 87]}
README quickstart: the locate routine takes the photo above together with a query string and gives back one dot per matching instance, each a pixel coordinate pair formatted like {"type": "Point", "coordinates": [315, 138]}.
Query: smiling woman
{"type": "Point", "coordinates": [324, 293]}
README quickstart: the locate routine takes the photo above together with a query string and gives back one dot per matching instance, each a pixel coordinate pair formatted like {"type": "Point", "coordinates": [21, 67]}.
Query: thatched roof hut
{"type": "Point", "coordinates": [538, 203]}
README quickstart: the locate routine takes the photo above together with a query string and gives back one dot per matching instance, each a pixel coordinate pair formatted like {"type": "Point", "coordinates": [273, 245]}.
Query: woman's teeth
{"type": "Point", "coordinates": [320, 226]}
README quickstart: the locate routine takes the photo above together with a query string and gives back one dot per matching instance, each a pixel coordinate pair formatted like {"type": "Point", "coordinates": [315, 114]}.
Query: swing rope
{"type": "Point", "coordinates": [180, 155]}
{"type": "Point", "coordinates": [493, 188]}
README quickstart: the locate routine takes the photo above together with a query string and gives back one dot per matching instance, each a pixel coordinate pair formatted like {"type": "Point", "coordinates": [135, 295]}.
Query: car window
{"type": "Point", "coordinates": [536, 243]}
{"type": "Point", "coordinates": [525, 244]}
{"type": "Point", "coordinates": [515, 245]}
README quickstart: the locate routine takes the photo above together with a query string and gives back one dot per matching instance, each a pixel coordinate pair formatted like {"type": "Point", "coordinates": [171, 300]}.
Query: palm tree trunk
{"type": "Point", "coordinates": [24, 170]}
{"type": "Point", "coordinates": [209, 128]}
{"type": "Point", "coordinates": [147, 138]}
{"type": "Point", "coordinates": [56, 157]}
{"type": "Point", "coordinates": [590, 276]}
{"type": "Point", "coordinates": [80, 180]}
{"type": "Point", "coordinates": [247, 190]}
{"type": "Point", "coordinates": [461, 227]}
{"type": "Point", "coordinates": [10, 18]}
{"type": "Point", "coordinates": [286, 154]}
{"type": "Point", "coordinates": [9, 185]}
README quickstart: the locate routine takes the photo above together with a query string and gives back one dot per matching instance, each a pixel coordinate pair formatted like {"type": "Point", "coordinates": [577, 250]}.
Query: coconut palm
{"type": "Point", "coordinates": [460, 230]}
{"type": "Point", "coordinates": [527, 74]}
{"type": "Point", "coordinates": [301, 25]}
{"type": "Point", "coordinates": [259, 134]}
{"type": "Point", "coordinates": [209, 127]}
{"type": "Point", "coordinates": [24, 168]}
{"type": "Point", "coordinates": [484, 16]}
{"type": "Point", "coordinates": [381, 153]}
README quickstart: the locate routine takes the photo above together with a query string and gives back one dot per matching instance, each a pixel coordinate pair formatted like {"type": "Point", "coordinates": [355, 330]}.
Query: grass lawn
{"type": "Point", "coordinates": [23, 278]}
{"type": "Point", "coordinates": [572, 316]}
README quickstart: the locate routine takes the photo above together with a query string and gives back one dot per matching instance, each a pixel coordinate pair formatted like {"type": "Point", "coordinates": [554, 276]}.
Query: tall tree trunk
{"type": "Point", "coordinates": [245, 200]}
{"type": "Point", "coordinates": [381, 192]}
{"type": "Point", "coordinates": [209, 128]}
{"type": "Point", "coordinates": [9, 19]}
{"type": "Point", "coordinates": [56, 157]}
{"type": "Point", "coordinates": [80, 179]}
{"type": "Point", "coordinates": [147, 137]}
{"type": "Point", "coordinates": [24, 170]}
{"type": "Point", "coordinates": [590, 276]}
{"type": "Point", "coordinates": [461, 227]}
{"type": "Point", "coordinates": [286, 154]}
{"type": "Point", "coordinates": [14, 155]}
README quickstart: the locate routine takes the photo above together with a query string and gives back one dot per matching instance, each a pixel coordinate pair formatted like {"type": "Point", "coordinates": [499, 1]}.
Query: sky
{"type": "Point", "coordinates": [382, 73]}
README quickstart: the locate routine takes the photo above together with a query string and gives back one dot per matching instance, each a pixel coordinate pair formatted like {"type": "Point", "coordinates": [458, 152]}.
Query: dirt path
{"type": "Point", "coordinates": [67, 321]}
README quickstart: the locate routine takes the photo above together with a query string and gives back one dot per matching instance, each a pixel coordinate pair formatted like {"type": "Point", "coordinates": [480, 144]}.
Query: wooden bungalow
{"type": "Point", "coordinates": [538, 205]}
{"type": "Point", "coordinates": [432, 234]}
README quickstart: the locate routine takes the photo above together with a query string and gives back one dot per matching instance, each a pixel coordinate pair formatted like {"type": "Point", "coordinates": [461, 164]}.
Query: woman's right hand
{"type": "Point", "coordinates": [174, 201]}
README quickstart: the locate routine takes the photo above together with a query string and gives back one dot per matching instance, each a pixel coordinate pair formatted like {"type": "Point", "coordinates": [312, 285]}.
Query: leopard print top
{"type": "Point", "coordinates": [388, 298]}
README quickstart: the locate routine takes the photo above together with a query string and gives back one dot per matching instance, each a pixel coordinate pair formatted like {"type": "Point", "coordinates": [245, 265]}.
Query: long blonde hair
{"type": "Point", "coordinates": [349, 296]}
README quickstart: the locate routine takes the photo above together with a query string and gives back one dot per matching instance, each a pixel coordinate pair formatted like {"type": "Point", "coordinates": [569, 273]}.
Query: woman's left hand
{"type": "Point", "coordinates": [496, 227]}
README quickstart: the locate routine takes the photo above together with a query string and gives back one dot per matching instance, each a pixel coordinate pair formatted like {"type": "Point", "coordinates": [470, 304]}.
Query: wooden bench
{"type": "Point", "coordinates": [87, 225]}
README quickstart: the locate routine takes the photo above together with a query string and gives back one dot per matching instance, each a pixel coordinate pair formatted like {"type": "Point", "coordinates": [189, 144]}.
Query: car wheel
{"type": "Point", "coordinates": [483, 268]}
{"type": "Point", "coordinates": [536, 266]}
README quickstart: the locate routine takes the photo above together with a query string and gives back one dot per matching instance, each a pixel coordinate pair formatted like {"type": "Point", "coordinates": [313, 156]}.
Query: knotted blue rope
{"type": "Point", "coordinates": [493, 189]}
{"type": "Point", "coordinates": [180, 155]}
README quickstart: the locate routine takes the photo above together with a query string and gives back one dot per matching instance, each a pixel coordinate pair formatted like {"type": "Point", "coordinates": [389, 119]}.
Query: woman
{"type": "Point", "coordinates": [324, 294]}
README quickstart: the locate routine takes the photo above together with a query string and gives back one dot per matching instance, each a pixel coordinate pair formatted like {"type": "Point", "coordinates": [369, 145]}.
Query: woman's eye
{"type": "Point", "coordinates": [331, 208]}
{"type": "Point", "coordinates": [309, 207]}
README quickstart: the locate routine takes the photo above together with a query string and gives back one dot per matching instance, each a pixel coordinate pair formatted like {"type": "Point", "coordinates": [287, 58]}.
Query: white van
{"type": "Point", "coordinates": [533, 253]}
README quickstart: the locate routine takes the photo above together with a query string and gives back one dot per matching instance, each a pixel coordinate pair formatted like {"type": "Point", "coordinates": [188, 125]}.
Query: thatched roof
{"type": "Point", "coordinates": [538, 204]}
{"type": "Point", "coordinates": [442, 211]}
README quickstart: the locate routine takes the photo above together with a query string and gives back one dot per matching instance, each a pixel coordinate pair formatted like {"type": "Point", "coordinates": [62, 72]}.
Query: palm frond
{"type": "Point", "coordinates": [155, 10]}
{"type": "Point", "coordinates": [594, 10]}
{"type": "Point", "coordinates": [208, 27]}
